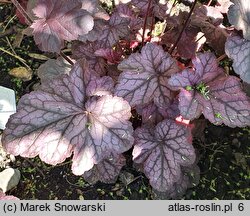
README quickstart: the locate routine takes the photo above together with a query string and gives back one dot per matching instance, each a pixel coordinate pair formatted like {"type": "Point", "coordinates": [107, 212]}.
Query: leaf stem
{"type": "Point", "coordinates": [66, 58]}
{"type": "Point", "coordinates": [209, 3]}
{"type": "Point", "coordinates": [173, 5]}
{"type": "Point", "coordinates": [152, 27]}
{"type": "Point", "coordinates": [8, 23]}
{"type": "Point", "coordinates": [145, 21]}
{"type": "Point", "coordinates": [17, 57]}
{"type": "Point", "coordinates": [5, 1]}
{"type": "Point", "coordinates": [184, 27]}
{"type": "Point", "coordinates": [22, 11]}
{"type": "Point", "coordinates": [7, 32]}
{"type": "Point", "coordinates": [220, 58]}
{"type": "Point", "coordinates": [199, 38]}
{"type": "Point", "coordinates": [36, 167]}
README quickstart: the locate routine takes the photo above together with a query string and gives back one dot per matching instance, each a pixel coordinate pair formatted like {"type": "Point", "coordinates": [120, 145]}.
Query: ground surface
{"type": "Point", "coordinates": [224, 158]}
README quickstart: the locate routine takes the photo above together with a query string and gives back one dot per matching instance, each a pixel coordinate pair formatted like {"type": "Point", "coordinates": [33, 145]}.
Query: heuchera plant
{"type": "Point", "coordinates": [156, 59]}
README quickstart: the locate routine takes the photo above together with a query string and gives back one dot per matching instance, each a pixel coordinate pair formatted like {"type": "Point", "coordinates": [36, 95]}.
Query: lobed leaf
{"type": "Point", "coordinates": [238, 15]}
{"type": "Point", "coordinates": [59, 119]}
{"type": "Point", "coordinates": [209, 20]}
{"type": "Point", "coordinates": [100, 86]}
{"type": "Point", "coordinates": [162, 151]}
{"type": "Point", "coordinates": [126, 11]}
{"type": "Point", "coordinates": [142, 5]}
{"type": "Point", "coordinates": [106, 129]}
{"type": "Point", "coordinates": [184, 49]}
{"type": "Point", "coordinates": [209, 91]}
{"type": "Point", "coordinates": [216, 36]}
{"type": "Point", "coordinates": [100, 16]}
{"type": "Point", "coordinates": [238, 49]}
{"type": "Point", "coordinates": [53, 68]}
{"type": "Point", "coordinates": [117, 28]}
{"type": "Point", "coordinates": [87, 51]}
{"type": "Point", "coordinates": [95, 33]}
{"type": "Point", "coordinates": [58, 21]}
{"type": "Point", "coordinates": [189, 178]}
{"type": "Point", "coordinates": [151, 114]}
{"type": "Point", "coordinates": [144, 77]}
{"type": "Point", "coordinates": [203, 13]}
{"type": "Point", "coordinates": [174, 26]}
{"type": "Point", "coordinates": [106, 171]}
{"type": "Point", "coordinates": [112, 56]}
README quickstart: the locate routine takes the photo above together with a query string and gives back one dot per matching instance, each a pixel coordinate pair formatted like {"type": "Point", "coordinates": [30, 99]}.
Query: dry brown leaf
{"type": "Point", "coordinates": [21, 73]}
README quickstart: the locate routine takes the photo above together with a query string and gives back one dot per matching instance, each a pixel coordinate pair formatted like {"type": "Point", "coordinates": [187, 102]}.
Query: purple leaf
{"type": "Point", "coordinates": [106, 171]}
{"type": "Point", "coordinates": [100, 17]}
{"type": "Point", "coordinates": [95, 33]}
{"type": "Point", "coordinates": [112, 56]}
{"type": "Point", "coordinates": [125, 10]}
{"type": "Point", "coordinates": [59, 119]}
{"type": "Point", "coordinates": [174, 27]}
{"type": "Point", "coordinates": [185, 50]}
{"type": "Point", "coordinates": [238, 16]}
{"type": "Point", "coordinates": [87, 51]}
{"type": "Point", "coordinates": [207, 90]}
{"type": "Point", "coordinates": [100, 86]}
{"type": "Point", "coordinates": [150, 114]}
{"type": "Point", "coordinates": [135, 22]}
{"type": "Point", "coordinates": [145, 75]}
{"type": "Point", "coordinates": [162, 152]}
{"type": "Point", "coordinates": [113, 72]}
{"type": "Point", "coordinates": [209, 20]}
{"type": "Point", "coordinates": [143, 5]}
{"type": "Point", "coordinates": [238, 49]}
{"type": "Point", "coordinates": [189, 178]}
{"type": "Point", "coordinates": [58, 21]}
{"type": "Point", "coordinates": [116, 29]}
{"type": "Point", "coordinates": [161, 10]}
{"type": "Point", "coordinates": [209, 14]}
{"type": "Point", "coordinates": [53, 68]}
{"type": "Point", "coordinates": [205, 69]}
{"type": "Point", "coordinates": [173, 111]}
{"type": "Point", "coordinates": [94, 8]}
{"type": "Point", "coordinates": [107, 130]}
{"type": "Point", "coordinates": [158, 8]}
{"type": "Point", "coordinates": [216, 36]}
